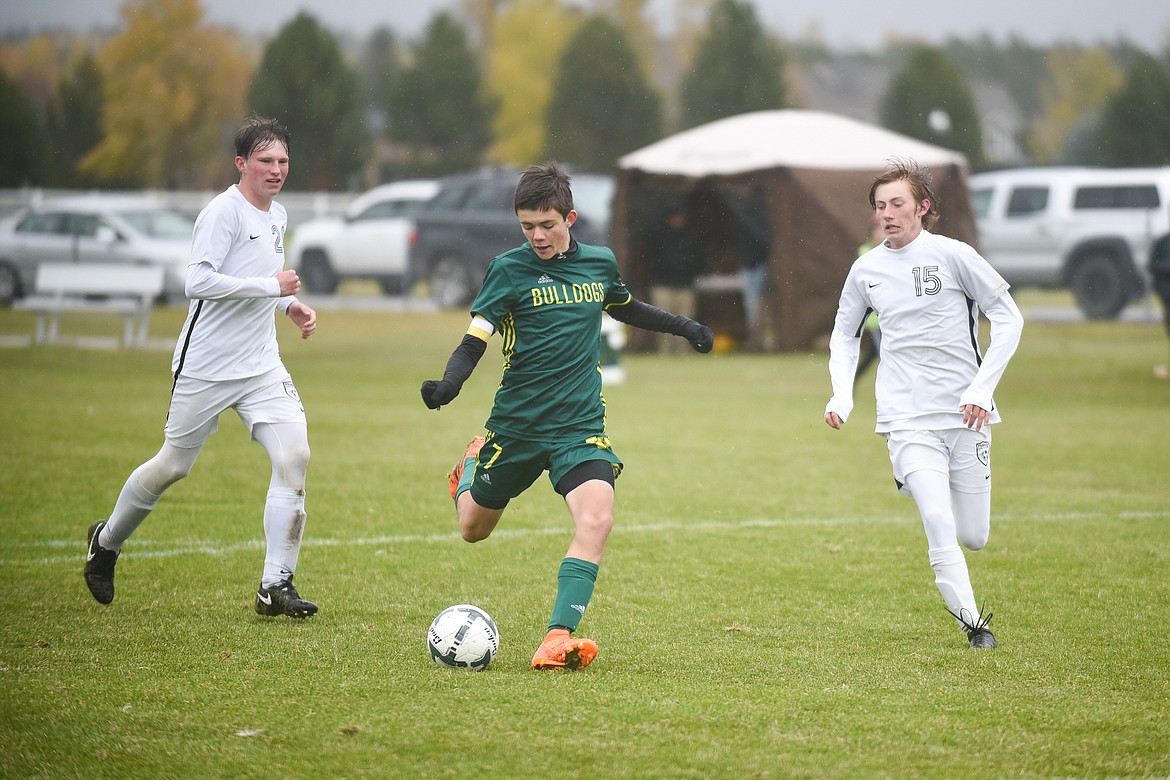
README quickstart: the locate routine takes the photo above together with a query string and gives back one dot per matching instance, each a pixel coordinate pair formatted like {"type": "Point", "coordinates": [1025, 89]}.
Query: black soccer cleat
{"type": "Point", "coordinates": [981, 639]}
{"type": "Point", "coordinates": [283, 599]}
{"type": "Point", "coordinates": [978, 634]}
{"type": "Point", "coordinates": [99, 566]}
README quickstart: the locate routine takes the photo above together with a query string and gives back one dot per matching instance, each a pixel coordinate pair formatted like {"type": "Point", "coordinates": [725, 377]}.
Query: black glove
{"type": "Point", "coordinates": [440, 393]}
{"type": "Point", "coordinates": [701, 337]}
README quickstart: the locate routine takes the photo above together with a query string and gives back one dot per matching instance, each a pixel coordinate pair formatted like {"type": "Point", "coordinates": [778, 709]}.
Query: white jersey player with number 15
{"type": "Point", "coordinates": [933, 389]}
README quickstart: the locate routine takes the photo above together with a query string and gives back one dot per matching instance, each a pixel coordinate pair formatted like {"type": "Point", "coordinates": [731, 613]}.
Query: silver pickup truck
{"type": "Point", "coordinates": [1087, 229]}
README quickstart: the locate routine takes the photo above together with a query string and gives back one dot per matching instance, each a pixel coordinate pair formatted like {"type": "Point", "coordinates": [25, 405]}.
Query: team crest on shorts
{"type": "Point", "coordinates": [983, 452]}
{"type": "Point", "coordinates": [291, 391]}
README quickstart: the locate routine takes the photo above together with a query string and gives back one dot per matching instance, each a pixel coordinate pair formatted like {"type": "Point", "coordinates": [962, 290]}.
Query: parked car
{"type": "Point", "coordinates": [369, 241]}
{"type": "Point", "coordinates": [96, 228]}
{"type": "Point", "coordinates": [1088, 229]}
{"type": "Point", "coordinates": [472, 219]}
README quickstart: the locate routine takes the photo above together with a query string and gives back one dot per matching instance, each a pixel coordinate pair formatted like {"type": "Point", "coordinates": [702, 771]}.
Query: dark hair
{"type": "Point", "coordinates": [919, 178]}
{"type": "Point", "coordinates": [544, 187]}
{"type": "Point", "coordinates": [259, 132]}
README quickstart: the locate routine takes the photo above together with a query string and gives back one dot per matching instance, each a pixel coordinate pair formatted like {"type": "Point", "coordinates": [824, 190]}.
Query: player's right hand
{"type": "Point", "coordinates": [440, 393]}
{"type": "Point", "coordinates": [290, 283]}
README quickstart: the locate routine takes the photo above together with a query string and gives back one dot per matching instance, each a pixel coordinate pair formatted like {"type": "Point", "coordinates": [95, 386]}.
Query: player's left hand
{"type": "Point", "coordinates": [304, 317]}
{"type": "Point", "coordinates": [701, 337]}
{"type": "Point", "coordinates": [975, 416]}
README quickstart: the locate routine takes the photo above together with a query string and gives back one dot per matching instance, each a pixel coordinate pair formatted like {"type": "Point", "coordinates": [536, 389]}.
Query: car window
{"type": "Point", "coordinates": [84, 225]}
{"type": "Point", "coordinates": [981, 202]}
{"type": "Point", "coordinates": [450, 197]}
{"type": "Point", "coordinates": [387, 209]}
{"type": "Point", "coordinates": [159, 223]}
{"type": "Point", "coordinates": [43, 222]}
{"type": "Point", "coordinates": [1138, 196]}
{"type": "Point", "coordinates": [593, 197]}
{"type": "Point", "coordinates": [1027, 200]}
{"type": "Point", "coordinates": [490, 196]}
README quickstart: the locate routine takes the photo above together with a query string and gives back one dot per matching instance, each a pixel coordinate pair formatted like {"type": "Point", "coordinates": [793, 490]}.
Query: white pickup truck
{"type": "Point", "coordinates": [371, 240]}
{"type": "Point", "coordinates": [1087, 229]}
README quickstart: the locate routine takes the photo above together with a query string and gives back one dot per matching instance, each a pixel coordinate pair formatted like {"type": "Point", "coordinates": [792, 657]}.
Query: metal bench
{"type": "Point", "coordinates": [127, 290]}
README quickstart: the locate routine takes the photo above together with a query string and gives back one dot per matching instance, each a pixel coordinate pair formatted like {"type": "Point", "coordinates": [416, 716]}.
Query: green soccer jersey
{"type": "Point", "coordinates": [548, 313]}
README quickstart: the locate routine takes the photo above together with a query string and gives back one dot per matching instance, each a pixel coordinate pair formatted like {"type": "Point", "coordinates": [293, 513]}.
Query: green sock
{"type": "Point", "coordinates": [575, 581]}
{"type": "Point", "coordinates": [465, 478]}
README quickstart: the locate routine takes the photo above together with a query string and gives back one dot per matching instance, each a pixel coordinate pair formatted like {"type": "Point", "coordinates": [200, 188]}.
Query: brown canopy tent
{"type": "Point", "coordinates": [790, 185]}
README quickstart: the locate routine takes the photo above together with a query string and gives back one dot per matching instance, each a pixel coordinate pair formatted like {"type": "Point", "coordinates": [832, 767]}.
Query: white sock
{"type": "Point", "coordinates": [284, 524]}
{"type": "Point", "coordinates": [134, 504]}
{"type": "Point", "coordinates": [142, 491]}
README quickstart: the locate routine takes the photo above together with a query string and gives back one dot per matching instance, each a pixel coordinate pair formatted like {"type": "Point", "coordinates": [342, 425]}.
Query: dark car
{"type": "Point", "coordinates": [472, 219]}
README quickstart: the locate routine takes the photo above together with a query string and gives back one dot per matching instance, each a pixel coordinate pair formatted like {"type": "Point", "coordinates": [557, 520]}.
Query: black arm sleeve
{"type": "Point", "coordinates": [464, 360]}
{"type": "Point", "coordinates": [640, 314]}
{"type": "Point", "coordinates": [459, 367]}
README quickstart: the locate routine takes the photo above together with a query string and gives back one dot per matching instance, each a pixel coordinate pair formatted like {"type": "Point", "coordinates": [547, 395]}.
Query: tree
{"type": "Point", "coordinates": [929, 100]}
{"type": "Point", "coordinates": [170, 86]}
{"type": "Point", "coordinates": [441, 109]}
{"type": "Point", "coordinates": [303, 81]}
{"type": "Point", "coordinates": [379, 74]}
{"type": "Point", "coordinates": [1077, 85]}
{"type": "Point", "coordinates": [73, 124]}
{"type": "Point", "coordinates": [737, 68]}
{"type": "Point", "coordinates": [521, 74]}
{"type": "Point", "coordinates": [20, 154]}
{"type": "Point", "coordinates": [1135, 124]}
{"type": "Point", "coordinates": [602, 105]}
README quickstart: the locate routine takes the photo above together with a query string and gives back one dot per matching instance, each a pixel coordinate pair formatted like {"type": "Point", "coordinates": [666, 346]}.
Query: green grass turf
{"type": "Point", "coordinates": [765, 608]}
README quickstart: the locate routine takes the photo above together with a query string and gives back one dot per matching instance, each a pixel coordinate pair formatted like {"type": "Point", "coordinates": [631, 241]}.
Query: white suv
{"type": "Point", "coordinates": [1088, 229]}
{"type": "Point", "coordinates": [371, 240]}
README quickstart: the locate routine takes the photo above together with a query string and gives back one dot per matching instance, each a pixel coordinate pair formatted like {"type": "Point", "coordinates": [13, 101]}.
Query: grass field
{"type": "Point", "coordinates": [765, 609]}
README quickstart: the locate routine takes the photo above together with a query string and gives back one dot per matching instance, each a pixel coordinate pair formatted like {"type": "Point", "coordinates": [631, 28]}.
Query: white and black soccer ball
{"type": "Point", "coordinates": [463, 637]}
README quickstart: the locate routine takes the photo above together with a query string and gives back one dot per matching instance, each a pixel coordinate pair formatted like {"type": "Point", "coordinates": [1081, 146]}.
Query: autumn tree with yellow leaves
{"type": "Point", "coordinates": [173, 92]}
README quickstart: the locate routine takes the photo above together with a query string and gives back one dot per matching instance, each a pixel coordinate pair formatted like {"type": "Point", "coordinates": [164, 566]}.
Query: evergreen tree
{"type": "Point", "coordinates": [379, 73]}
{"type": "Point", "coordinates": [737, 68]}
{"type": "Point", "coordinates": [601, 106]}
{"type": "Point", "coordinates": [1135, 124]}
{"type": "Point", "coordinates": [73, 125]}
{"type": "Point", "coordinates": [929, 100]}
{"type": "Point", "coordinates": [440, 108]}
{"type": "Point", "coordinates": [304, 82]}
{"type": "Point", "coordinates": [20, 154]}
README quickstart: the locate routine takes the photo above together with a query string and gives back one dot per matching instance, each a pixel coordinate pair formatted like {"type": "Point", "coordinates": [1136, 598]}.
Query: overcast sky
{"type": "Point", "coordinates": [842, 24]}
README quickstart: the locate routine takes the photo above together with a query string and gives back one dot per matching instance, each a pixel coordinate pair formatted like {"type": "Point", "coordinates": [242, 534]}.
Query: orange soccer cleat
{"type": "Point", "coordinates": [456, 473]}
{"type": "Point", "coordinates": [560, 650]}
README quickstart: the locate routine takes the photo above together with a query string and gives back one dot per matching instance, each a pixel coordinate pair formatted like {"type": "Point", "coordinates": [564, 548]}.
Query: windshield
{"type": "Point", "coordinates": [593, 197]}
{"type": "Point", "coordinates": [159, 223]}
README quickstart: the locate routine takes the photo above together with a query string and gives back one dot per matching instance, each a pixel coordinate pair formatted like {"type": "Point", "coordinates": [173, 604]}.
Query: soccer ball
{"type": "Point", "coordinates": [463, 637]}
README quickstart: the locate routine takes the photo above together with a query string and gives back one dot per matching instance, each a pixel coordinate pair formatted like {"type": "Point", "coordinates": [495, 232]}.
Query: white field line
{"type": "Point", "coordinates": [147, 549]}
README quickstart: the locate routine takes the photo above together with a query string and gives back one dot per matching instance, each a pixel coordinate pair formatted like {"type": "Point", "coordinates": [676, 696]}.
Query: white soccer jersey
{"type": "Point", "coordinates": [927, 296]}
{"type": "Point", "coordinates": [230, 332]}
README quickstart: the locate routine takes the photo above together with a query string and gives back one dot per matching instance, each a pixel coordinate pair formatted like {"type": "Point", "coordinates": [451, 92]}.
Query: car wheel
{"type": "Point", "coordinates": [451, 284]}
{"type": "Point", "coordinates": [391, 285]}
{"type": "Point", "coordinates": [9, 284]}
{"type": "Point", "coordinates": [1099, 285]}
{"type": "Point", "coordinates": [316, 272]}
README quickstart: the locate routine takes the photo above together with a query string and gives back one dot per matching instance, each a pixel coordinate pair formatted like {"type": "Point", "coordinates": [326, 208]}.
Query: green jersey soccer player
{"type": "Point", "coordinates": [545, 299]}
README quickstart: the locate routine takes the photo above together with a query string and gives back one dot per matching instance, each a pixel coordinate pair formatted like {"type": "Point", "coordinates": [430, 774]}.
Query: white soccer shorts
{"type": "Point", "coordinates": [963, 454]}
{"type": "Point", "coordinates": [197, 403]}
